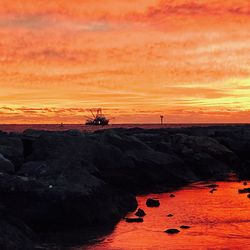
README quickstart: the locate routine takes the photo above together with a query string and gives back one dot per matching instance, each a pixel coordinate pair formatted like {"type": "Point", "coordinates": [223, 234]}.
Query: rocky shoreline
{"type": "Point", "coordinates": [50, 181]}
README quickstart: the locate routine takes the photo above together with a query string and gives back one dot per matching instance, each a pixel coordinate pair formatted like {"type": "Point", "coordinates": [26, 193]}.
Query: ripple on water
{"type": "Point", "coordinates": [218, 221]}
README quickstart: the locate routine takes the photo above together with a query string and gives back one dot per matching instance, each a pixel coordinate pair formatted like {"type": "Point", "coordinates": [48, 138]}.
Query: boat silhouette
{"type": "Point", "coordinates": [97, 119]}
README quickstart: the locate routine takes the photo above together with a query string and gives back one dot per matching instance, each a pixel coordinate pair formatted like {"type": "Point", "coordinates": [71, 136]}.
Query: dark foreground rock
{"type": "Point", "coordinates": [244, 190]}
{"type": "Point", "coordinates": [140, 213]}
{"type": "Point", "coordinates": [57, 180]}
{"type": "Point", "coordinates": [14, 234]}
{"type": "Point", "coordinates": [131, 220]}
{"type": "Point", "coordinates": [172, 231]}
{"type": "Point", "coordinates": [152, 202]}
{"type": "Point", "coordinates": [6, 166]}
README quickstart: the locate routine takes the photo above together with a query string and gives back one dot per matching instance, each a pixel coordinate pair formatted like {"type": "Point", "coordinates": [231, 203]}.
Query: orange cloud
{"type": "Point", "coordinates": [135, 58]}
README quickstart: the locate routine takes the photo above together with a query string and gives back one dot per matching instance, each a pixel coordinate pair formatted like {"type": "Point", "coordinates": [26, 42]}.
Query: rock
{"type": "Point", "coordinates": [212, 185]}
{"type": "Point", "coordinates": [6, 166]}
{"type": "Point", "coordinates": [185, 227]}
{"type": "Point", "coordinates": [244, 190]}
{"type": "Point", "coordinates": [140, 213]}
{"type": "Point", "coordinates": [171, 195]}
{"type": "Point", "coordinates": [75, 179]}
{"type": "Point", "coordinates": [248, 196]}
{"type": "Point", "coordinates": [63, 193]}
{"type": "Point", "coordinates": [170, 215]}
{"type": "Point", "coordinates": [11, 147]}
{"type": "Point", "coordinates": [131, 220]}
{"type": "Point", "coordinates": [245, 183]}
{"type": "Point", "coordinates": [15, 235]}
{"type": "Point", "coordinates": [212, 190]}
{"type": "Point", "coordinates": [152, 202]}
{"type": "Point", "coordinates": [172, 231]}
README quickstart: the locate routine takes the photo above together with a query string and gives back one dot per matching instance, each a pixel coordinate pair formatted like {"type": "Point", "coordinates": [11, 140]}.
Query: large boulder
{"type": "Point", "coordinates": [6, 166]}
{"type": "Point", "coordinates": [62, 192]}
{"type": "Point", "coordinates": [15, 235]}
{"type": "Point", "coordinates": [11, 147]}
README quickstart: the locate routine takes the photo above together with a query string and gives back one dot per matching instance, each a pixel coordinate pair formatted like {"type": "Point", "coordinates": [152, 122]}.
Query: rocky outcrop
{"type": "Point", "coordinates": [6, 166]}
{"type": "Point", "coordinates": [11, 147]}
{"type": "Point", "coordinates": [14, 234]}
{"type": "Point", "coordinates": [152, 202]}
{"type": "Point", "coordinates": [74, 179]}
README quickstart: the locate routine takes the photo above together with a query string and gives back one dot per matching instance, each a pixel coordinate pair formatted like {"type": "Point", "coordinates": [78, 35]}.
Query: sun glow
{"type": "Point", "coordinates": [136, 59]}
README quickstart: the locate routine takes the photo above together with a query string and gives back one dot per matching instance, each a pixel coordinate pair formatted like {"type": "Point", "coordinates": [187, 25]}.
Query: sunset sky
{"type": "Point", "coordinates": [137, 59]}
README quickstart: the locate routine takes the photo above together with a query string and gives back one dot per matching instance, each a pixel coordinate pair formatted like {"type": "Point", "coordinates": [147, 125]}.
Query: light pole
{"type": "Point", "coordinates": [161, 119]}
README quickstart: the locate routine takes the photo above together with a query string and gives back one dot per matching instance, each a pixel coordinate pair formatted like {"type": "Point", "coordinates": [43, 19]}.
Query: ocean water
{"type": "Point", "coordinates": [219, 220]}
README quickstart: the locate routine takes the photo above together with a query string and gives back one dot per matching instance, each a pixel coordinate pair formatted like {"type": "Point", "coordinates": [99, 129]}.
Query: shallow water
{"type": "Point", "coordinates": [218, 221]}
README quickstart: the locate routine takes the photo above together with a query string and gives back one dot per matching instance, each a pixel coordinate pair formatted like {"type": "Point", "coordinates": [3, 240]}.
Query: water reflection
{"type": "Point", "coordinates": [218, 220]}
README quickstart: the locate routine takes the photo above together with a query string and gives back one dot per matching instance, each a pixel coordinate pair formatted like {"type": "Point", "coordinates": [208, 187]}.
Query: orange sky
{"type": "Point", "coordinates": [137, 59]}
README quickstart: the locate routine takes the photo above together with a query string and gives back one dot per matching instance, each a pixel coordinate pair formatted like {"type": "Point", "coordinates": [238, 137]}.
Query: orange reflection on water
{"type": "Point", "coordinates": [218, 221]}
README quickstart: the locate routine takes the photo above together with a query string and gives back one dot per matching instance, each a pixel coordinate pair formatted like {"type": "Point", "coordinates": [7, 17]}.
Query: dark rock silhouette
{"type": "Point", "coordinates": [172, 231]}
{"type": "Point", "coordinates": [212, 186]}
{"type": "Point", "coordinates": [212, 190]}
{"type": "Point", "coordinates": [152, 202]}
{"type": "Point", "coordinates": [131, 220]}
{"type": "Point", "coordinates": [170, 215]}
{"type": "Point", "coordinates": [14, 234]}
{"type": "Point", "coordinates": [245, 183]}
{"type": "Point", "coordinates": [6, 166]}
{"type": "Point", "coordinates": [140, 213]}
{"type": "Point", "coordinates": [185, 227]}
{"type": "Point", "coordinates": [248, 196]}
{"type": "Point", "coordinates": [244, 190]}
{"type": "Point", "coordinates": [171, 195]}
{"type": "Point", "coordinates": [74, 179]}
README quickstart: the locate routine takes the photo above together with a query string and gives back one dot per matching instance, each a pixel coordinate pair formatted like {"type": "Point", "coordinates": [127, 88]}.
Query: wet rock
{"type": "Point", "coordinates": [63, 194]}
{"type": "Point", "coordinates": [170, 215]}
{"type": "Point", "coordinates": [212, 186]}
{"type": "Point", "coordinates": [6, 166]}
{"type": "Point", "coordinates": [15, 235]}
{"type": "Point", "coordinates": [11, 147]}
{"type": "Point", "coordinates": [171, 195]}
{"type": "Point", "coordinates": [244, 190]}
{"type": "Point", "coordinates": [212, 190]}
{"type": "Point", "coordinates": [172, 231]}
{"type": "Point", "coordinates": [152, 202]}
{"type": "Point", "coordinates": [140, 213]}
{"type": "Point", "coordinates": [131, 220]}
{"type": "Point", "coordinates": [70, 178]}
{"type": "Point", "coordinates": [185, 227]}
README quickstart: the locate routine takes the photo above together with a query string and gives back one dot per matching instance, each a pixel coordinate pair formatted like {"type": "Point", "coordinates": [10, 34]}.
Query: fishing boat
{"type": "Point", "coordinates": [97, 119]}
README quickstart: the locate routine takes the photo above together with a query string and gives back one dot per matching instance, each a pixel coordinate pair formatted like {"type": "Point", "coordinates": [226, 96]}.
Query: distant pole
{"type": "Point", "coordinates": [161, 119]}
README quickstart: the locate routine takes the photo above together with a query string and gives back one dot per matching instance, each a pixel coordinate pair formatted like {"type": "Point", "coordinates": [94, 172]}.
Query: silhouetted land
{"type": "Point", "coordinates": [67, 180]}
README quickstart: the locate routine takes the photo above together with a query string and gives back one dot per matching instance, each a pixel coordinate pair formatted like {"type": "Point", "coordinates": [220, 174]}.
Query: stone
{"type": "Point", "coordinates": [212, 190]}
{"type": "Point", "coordinates": [131, 220]}
{"type": "Point", "coordinates": [212, 185]}
{"type": "Point", "coordinates": [185, 227]}
{"type": "Point", "coordinates": [152, 202]}
{"type": "Point", "coordinates": [15, 235]}
{"type": "Point", "coordinates": [172, 231]}
{"type": "Point", "coordinates": [6, 166]}
{"type": "Point", "coordinates": [140, 213]}
{"type": "Point", "coordinates": [244, 190]}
